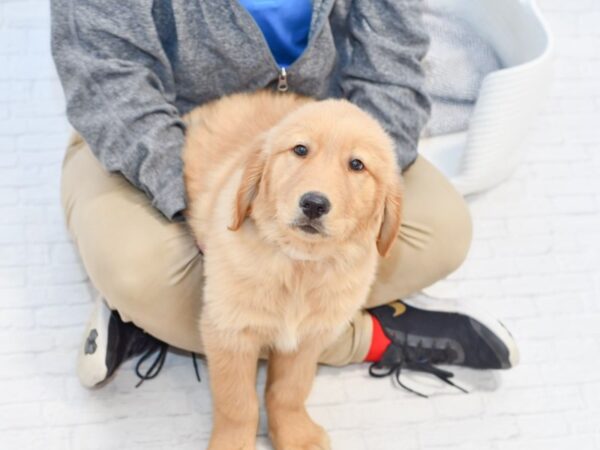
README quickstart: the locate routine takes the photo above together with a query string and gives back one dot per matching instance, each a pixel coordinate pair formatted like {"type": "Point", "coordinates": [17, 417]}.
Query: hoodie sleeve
{"type": "Point", "coordinates": [119, 90]}
{"type": "Point", "coordinates": [384, 75]}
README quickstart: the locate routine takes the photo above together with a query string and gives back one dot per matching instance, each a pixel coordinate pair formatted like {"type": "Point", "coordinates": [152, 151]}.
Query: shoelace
{"type": "Point", "coordinates": [157, 365]}
{"type": "Point", "coordinates": [421, 363]}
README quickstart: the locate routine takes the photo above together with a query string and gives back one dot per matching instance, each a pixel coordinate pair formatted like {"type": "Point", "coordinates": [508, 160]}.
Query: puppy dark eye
{"type": "Point", "coordinates": [356, 165]}
{"type": "Point", "coordinates": [300, 150]}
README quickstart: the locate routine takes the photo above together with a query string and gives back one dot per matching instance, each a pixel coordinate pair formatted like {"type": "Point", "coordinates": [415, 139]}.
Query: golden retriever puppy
{"type": "Point", "coordinates": [291, 200]}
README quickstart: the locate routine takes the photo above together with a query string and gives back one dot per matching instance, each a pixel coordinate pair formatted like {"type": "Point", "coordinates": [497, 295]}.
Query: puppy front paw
{"type": "Point", "coordinates": [297, 431]}
{"type": "Point", "coordinates": [233, 438]}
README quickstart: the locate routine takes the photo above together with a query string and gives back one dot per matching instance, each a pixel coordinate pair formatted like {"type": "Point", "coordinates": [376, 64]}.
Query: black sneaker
{"type": "Point", "coordinates": [108, 342]}
{"type": "Point", "coordinates": [425, 332]}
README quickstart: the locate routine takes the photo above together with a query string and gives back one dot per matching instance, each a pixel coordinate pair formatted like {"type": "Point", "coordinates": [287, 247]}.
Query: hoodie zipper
{"type": "Point", "coordinates": [282, 83]}
{"type": "Point", "coordinates": [282, 72]}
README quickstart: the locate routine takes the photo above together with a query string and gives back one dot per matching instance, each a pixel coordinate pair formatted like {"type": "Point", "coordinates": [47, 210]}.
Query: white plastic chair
{"type": "Point", "coordinates": [509, 99]}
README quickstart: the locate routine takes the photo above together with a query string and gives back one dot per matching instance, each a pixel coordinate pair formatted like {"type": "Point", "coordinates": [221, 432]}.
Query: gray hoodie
{"type": "Point", "coordinates": [131, 68]}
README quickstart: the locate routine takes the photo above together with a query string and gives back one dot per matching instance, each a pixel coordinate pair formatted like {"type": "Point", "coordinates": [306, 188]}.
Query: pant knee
{"type": "Point", "coordinates": [155, 282]}
{"type": "Point", "coordinates": [453, 229]}
{"type": "Point", "coordinates": [129, 279]}
{"type": "Point", "coordinates": [160, 299]}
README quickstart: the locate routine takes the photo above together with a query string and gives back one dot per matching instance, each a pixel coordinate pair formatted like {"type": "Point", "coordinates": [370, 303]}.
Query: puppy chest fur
{"type": "Point", "coordinates": [282, 304]}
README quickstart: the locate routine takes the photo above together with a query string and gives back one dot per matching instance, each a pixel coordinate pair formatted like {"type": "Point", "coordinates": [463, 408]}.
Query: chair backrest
{"type": "Point", "coordinates": [513, 27]}
{"type": "Point", "coordinates": [509, 98]}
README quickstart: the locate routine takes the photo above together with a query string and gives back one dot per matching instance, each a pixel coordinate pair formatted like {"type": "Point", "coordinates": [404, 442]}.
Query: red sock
{"type": "Point", "coordinates": [379, 342]}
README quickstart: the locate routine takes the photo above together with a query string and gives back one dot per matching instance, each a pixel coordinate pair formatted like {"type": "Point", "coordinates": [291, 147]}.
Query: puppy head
{"type": "Point", "coordinates": [324, 176]}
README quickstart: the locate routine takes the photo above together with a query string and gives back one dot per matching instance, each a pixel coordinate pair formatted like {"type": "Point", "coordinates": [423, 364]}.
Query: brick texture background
{"type": "Point", "coordinates": [535, 263]}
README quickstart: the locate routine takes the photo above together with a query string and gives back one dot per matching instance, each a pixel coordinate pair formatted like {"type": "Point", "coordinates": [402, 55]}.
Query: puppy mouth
{"type": "Point", "coordinates": [310, 227]}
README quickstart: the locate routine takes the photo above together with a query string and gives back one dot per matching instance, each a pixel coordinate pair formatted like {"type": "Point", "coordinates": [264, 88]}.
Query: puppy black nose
{"type": "Point", "coordinates": [314, 205]}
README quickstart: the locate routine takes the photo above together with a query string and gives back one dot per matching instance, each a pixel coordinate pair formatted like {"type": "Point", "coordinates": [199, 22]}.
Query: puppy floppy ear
{"type": "Point", "coordinates": [392, 214]}
{"type": "Point", "coordinates": [248, 189]}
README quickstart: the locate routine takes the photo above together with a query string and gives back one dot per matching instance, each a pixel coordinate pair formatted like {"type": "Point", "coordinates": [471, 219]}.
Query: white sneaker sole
{"type": "Point", "coordinates": [91, 367]}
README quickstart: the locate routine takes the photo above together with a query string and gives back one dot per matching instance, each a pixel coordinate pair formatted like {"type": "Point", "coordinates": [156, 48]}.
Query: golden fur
{"type": "Point", "coordinates": [270, 285]}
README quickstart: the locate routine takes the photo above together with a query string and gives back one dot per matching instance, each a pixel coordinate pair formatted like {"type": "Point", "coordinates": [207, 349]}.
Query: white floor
{"type": "Point", "coordinates": [535, 263]}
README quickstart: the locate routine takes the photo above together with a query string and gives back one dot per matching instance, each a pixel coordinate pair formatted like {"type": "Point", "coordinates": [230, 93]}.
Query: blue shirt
{"type": "Point", "coordinates": [285, 25]}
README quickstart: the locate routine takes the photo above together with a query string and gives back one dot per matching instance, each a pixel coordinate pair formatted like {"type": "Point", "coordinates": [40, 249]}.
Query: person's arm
{"type": "Point", "coordinates": [384, 75]}
{"type": "Point", "coordinates": [119, 89]}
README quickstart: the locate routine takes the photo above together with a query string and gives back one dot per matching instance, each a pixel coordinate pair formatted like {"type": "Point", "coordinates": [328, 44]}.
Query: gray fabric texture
{"type": "Point", "coordinates": [130, 69]}
{"type": "Point", "coordinates": [455, 66]}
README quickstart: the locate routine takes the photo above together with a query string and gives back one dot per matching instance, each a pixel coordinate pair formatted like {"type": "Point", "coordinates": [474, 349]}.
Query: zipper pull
{"type": "Point", "coordinates": [282, 84]}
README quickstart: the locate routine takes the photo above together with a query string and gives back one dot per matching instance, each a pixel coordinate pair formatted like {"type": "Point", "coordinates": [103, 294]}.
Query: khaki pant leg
{"type": "Point", "coordinates": [146, 267]}
{"type": "Point", "coordinates": [434, 239]}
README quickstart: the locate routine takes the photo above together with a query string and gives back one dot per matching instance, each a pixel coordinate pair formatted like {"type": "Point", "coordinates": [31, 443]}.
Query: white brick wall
{"type": "Point", "coordinates": [535, 263]}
